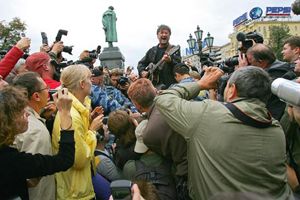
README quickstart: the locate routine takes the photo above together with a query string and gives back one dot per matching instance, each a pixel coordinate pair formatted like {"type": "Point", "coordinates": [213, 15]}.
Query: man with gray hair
{"type": "Point", "coordinates": [234, 146]}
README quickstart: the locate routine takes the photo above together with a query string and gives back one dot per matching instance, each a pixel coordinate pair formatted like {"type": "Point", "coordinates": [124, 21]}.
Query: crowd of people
{"type": "Point", "coordinates": [68, 133]}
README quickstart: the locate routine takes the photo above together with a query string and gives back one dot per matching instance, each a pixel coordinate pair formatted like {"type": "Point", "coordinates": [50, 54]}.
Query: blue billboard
{"type": "Point", "coordinates": [240, 19]}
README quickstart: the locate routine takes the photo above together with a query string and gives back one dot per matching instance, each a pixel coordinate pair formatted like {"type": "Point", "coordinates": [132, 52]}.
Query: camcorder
{"type": "Point", "coordinates": [246, 40]}
{"type": "Point", "coordinates": [228, 65]}
{"type": "Point", "coordinates": [121, 189]}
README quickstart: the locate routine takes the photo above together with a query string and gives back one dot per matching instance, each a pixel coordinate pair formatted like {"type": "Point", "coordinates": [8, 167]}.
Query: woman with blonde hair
{"type": "Point", "coordinates": [76, 183]}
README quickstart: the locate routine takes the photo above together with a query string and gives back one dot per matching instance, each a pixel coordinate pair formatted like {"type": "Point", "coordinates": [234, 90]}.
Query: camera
{"type": "Point", "coordinates": [51, 92]}
{"type": "Point", "coordinates": [94, 53]}
{"type": "Point", "coordinates": [247, 39]}
{"type": "Point", "coordinates": [232, 61]}
{"type": "Point", "coordinates": [44, 38]}
{"type": "Point", "coordinates": [123, 80]}
{"type": "Point", "coordinates": [60, 33]}
{"type": "Point", "coordinates": [121, 189]}
{"type": "Point", "coordinates": [22, 34]}
{"type": "Point", "coordinates": [286, 90]}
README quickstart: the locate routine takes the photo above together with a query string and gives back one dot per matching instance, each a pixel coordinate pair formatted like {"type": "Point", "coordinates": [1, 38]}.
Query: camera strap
{"type": "Point", "coordinates": [240, 115]}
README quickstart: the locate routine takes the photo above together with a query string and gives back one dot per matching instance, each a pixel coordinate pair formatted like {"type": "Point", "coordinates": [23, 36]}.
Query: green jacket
{"type": "Point", "coordinates": [225, 155]}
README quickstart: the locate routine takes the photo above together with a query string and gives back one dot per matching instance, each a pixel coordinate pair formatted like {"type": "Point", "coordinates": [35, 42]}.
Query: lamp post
{"type": "Point", "coordinates": [191, 42]}
{"type": "Point", "coordinates": [198, 34]}
{"type": "Point", "coordinates": [209, 41]}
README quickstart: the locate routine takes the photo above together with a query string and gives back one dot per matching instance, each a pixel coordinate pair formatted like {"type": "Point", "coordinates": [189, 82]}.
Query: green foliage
{"type": "Point", "coordinates": [10, 33]}
{"type": "Point", "coordinates": [277, 36]}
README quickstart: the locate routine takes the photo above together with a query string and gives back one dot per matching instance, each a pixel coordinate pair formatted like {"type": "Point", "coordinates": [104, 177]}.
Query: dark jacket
{"type": "Point", "coordinates": [276, 70]}
{"type": "Point", "coordinates": [166, 76]}
{"type": "Point", "coordinates": [161, 139]}
{"type": "Point", "coordinates": [17, 166]}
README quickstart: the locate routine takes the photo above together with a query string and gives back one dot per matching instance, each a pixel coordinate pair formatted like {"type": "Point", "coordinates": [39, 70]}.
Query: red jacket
{"type": "Point", "coordinates": [9, 61]}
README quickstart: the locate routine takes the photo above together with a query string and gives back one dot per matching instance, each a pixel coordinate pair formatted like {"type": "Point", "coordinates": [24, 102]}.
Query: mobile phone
{"type": "Point", "coordinates": [121, 189]}
{"type": "Point", "coordinates": [105, 119]}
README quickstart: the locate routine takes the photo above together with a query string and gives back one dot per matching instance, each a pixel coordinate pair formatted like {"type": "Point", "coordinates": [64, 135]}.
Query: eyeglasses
{"type": "Point", "coordinates": [46, 88]}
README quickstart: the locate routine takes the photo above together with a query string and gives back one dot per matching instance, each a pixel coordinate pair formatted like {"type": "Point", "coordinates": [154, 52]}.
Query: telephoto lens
{"type": "Point", "coordinates": [286, 90]}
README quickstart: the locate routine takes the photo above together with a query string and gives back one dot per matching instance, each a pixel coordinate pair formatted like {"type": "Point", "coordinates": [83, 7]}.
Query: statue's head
{"type": "Point", "coordinates": [111, 8]}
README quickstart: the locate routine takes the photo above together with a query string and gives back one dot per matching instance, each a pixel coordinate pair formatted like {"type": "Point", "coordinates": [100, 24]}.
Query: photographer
{"type": "Point", "coordinates": [40, 62]}
{"type": "Point", "coordinates": [234, 153]}
{"type": "Point", "coordinates": [87, 59]}
{"type": "Point", "coordinates": [13, 55]}
{"type": "Point", "coordinates": [262, 56]}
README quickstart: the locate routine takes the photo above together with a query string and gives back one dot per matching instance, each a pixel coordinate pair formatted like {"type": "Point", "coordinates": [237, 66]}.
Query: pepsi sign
{"type": "Point", "coordinates": [256, 13]}
{"type": "Point", "coordinates": [240, 19]}
{"type": "Point", "coordinates": [278, 11]}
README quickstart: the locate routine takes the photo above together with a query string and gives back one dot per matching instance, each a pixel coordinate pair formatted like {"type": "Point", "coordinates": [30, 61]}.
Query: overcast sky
{"type": "Point", "coordinates": [137, 21]}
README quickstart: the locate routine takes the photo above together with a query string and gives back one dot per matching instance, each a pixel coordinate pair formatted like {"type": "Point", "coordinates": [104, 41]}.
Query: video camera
{"type": "Point", "coordinates": [246, 40]}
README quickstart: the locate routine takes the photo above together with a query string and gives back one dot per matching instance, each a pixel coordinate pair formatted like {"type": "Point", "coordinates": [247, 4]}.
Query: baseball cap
{"type": "Point", "coordinates": [37, 62]}
{"type": "Point", "coordinates": [140, 147]}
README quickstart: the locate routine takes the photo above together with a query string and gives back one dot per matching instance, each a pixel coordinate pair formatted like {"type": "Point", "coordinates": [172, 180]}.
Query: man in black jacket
{"type": "Point", "coordinates": [164, 75]}
{"type": "Point", "coordinates": [262, 56]}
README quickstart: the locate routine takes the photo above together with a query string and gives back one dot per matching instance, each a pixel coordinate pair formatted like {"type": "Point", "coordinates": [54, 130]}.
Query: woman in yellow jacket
{"type": "Point", "coordinates": [76, 183]}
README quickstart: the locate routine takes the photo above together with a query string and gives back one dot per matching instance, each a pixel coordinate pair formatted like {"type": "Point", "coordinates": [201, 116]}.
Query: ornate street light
{"type": "Point", "coordinates": [198, 34]}
{"type": "Point", "coordinates": [209, 41]}
{"type": "Point", "coordinates": [191, 42]}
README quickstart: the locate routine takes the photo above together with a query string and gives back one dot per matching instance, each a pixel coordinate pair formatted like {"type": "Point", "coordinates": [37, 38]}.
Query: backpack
{"type": "Point", "coordinates": [159, 176]}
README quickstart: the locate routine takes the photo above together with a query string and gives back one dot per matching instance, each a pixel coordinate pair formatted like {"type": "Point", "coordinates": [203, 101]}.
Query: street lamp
{"type": "Point", "coordinates": [198, 34]}
{"type": "Point", "coordinates": [191, 42]}
{"type": "Point", "coordinates": [209, 41]}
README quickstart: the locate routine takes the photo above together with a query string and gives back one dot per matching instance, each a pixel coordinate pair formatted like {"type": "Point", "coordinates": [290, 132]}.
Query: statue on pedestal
{"type": "Point", "coordinates": [109, 25]}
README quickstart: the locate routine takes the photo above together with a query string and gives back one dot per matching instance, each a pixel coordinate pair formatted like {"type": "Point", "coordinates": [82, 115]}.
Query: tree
{"type": "Point", "coordinates": [10, 33]}
{"type": "Point", "coordinates": [277, 36]}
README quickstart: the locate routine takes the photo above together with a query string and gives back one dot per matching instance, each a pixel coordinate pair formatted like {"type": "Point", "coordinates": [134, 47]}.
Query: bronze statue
{"type": "Point", "coordinates": [109, 25]}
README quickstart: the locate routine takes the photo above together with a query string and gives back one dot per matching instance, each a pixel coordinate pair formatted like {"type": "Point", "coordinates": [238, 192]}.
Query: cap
{"type": "Point", "coordinates": [97, 72]}
{"type": "Point", "coordinates": [140, 147]}
{"type": "Point", "coordinates": [37, 62]}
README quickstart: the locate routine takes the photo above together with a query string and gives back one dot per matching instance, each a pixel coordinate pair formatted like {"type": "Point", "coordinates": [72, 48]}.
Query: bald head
{"type": "Point", "coordinates": [260, 55]}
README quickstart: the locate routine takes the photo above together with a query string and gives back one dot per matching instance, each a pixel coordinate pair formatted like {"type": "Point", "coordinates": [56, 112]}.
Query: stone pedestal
{"type": "Point", "coordinates": [112, 58]}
